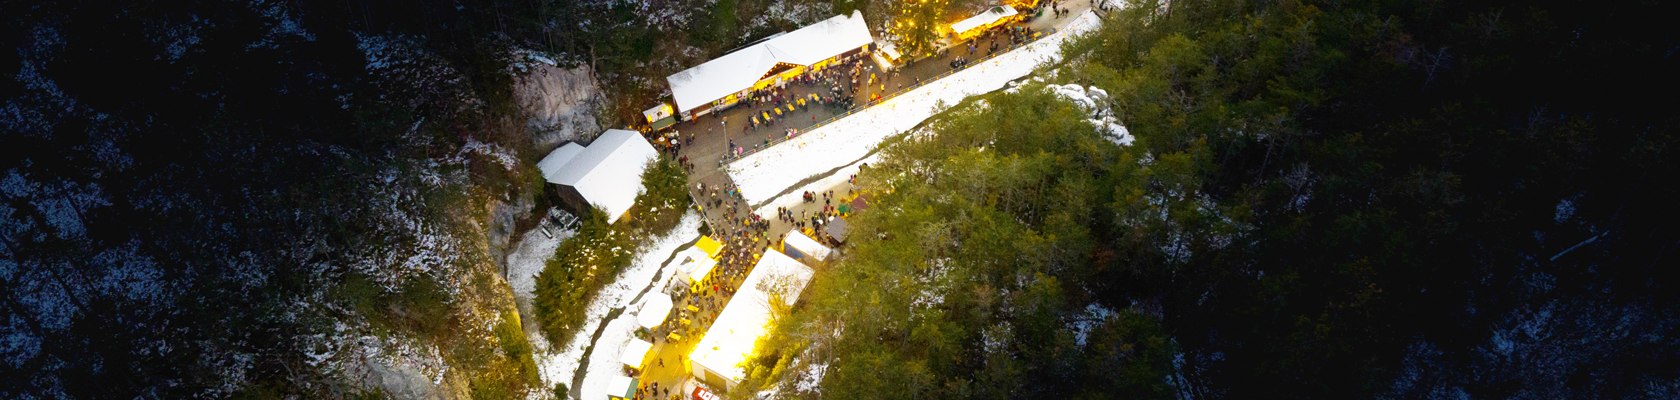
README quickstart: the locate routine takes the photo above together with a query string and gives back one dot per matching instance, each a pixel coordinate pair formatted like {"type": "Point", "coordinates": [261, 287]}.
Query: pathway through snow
{"type": "Point", "coordinates": [763, 175]}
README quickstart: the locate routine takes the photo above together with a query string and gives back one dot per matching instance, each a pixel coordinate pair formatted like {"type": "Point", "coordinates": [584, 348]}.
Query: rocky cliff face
{"type": "Point", "coordinates": [563, 103]}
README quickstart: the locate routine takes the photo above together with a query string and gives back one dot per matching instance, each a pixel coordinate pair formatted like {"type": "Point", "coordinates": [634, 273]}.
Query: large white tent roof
{"type": "Point", "coordinates": [991, 15]}
{"type": "Point", "coordinates": [747, 315]}
{"type": "Point", "coordinates": [557, 159]}
{"type": "Point", "coordinates": [807, 245]}
{"type": "Point", "coordinates": [621, 387]}
{"type": "Point", "coordinates": [634, 352]}
{"type": "Point", "coordinates": [608, 173]}
{"type": "Point", "coordinates": [737, 71]}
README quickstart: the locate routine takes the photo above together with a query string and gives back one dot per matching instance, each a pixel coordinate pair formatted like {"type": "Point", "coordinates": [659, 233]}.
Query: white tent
{"type": "Point", "coordinates": [717, 358]}
{"type": "Point", "coordinates": [806, 245]}
{"type": "Point", "coordinates": [985, 18]}
{"type": "Point", "coordinates": [654, 311]}
{"type": "Point", "coordinates": [634, 352]}
{"type": "Point", "coordinates": [607, 173]}
{"type": "Point", "coordinates": [694, 263]}
{"type": "Point", "coordinates": [622, 387]}
{"type": "Point", "coordinates": [738, 71]}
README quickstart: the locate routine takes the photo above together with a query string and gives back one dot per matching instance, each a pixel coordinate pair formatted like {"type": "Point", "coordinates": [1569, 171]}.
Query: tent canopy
{"type": "Point", "coordinates": [694, 263]}
{"type": "Point", "coordinates": [711, 246]}
{"type": "Point", "coordinates": [983, 19]}
{"type": "Point", "coordinates": [607, 173]}
{"type": "Point", "coordinates": [837, 229]}
{"type": "Point", "coordinates": [745, 319]}
{"type": "Point", "coordinates": [654, 311]}
{"type": "Point", "coordinates": [659, 112]}
{"type": "Point", "coordinates": [807, 245]}
{"type": "Point", "coordinates": [738, 71]}
{"type": "Point", "coordinates": [557, 159]}
{"type": "Point", "coordinates": [622, 387]}
{"type": "Point", "coordinates": [634, 352]}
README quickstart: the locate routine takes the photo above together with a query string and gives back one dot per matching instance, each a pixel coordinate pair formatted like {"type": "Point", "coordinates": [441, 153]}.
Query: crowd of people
{"type": "Point", "coordinates": [744, 233]}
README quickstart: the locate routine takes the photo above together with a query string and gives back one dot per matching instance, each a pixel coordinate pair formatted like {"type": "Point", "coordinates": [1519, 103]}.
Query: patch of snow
{"type": "Point", "coordinates": [603, 364]}
{"type": "Point", "coordinates": [810, 381]}
{"type": "Point", "coordinates": [762, 175]}
{"type": "Point", "coordinates": [1301, 180]}
{"type": "Point", "coordinates": [281, 24]}
{"type": "Point", "coordinates": [788, 13]}
{"type": "Point", "coordinates": [649, 269]}
{"type": "Point", "coordinates": [932, 292]}
{"type": "Point", "coordinates": [128, 274]}
{"type": "Point", "coordinates": [178, 39]}
{"type": "Point", "coordinates": [995, 339]}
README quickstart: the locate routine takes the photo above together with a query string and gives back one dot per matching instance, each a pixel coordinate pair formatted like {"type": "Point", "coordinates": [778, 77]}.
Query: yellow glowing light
{"type": "Point", "coordinates": [730, 342]}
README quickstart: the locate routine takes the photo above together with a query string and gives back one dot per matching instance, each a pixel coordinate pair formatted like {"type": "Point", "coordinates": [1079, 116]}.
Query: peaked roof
{"type": "Point", "coordinates": [608, 173]}
{"type": "Point", "coordinates": [737, 71]}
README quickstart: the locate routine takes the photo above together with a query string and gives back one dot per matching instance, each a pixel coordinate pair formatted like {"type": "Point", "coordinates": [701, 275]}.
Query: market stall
{"type": "Point", "coordinates": [622, 387]}
{"type": "Point", "coordinates": [654, 311]}
{"type": "Point", "coordinates": [634, 353]}
{"type": "Point", "coordinates": [800, 246]}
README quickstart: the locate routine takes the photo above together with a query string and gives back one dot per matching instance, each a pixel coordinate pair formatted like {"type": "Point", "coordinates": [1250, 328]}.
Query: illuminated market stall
{"type": "Point", "coordinates": [726, 80]}
{"type": "Point", "coordinates": [717, 359]}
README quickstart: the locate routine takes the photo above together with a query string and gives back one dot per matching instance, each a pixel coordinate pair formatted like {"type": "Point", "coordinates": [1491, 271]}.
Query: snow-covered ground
{"type": "Point", "coordinates": [649, 269]}
{"type": "Point", "coordinates": [764, 174]}
{"type": "Point", "coordinates": [529, 258]}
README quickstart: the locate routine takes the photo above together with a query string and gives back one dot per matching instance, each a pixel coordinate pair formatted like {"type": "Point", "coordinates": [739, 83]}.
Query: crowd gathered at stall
{"type": "Point", "coordinates": [742, 237]}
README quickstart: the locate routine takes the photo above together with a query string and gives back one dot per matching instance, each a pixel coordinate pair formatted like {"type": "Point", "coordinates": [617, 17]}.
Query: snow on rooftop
{"type": "Point", "coordinates": [989, 16]}
{"type": "Point", "coordinates": [747, 315]}
{"type": "Point", "coordinates": [608, 173]}
{"type": "Point", "coordinates": [762, 175]}
{"type": "Point", "coordinates": [737, 71]}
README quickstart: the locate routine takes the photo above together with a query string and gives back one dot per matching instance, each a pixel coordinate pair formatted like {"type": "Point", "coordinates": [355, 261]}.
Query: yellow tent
{"type": "Point", "coordinates": [710, 246]}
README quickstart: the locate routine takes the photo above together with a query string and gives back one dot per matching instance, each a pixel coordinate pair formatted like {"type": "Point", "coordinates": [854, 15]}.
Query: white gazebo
{"type": "Point", "coordinates": [654, 311]}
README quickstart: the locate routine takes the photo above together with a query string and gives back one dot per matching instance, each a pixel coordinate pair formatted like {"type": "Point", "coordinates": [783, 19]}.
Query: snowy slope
{"type": "Point", "coordinates": [645, 273]}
